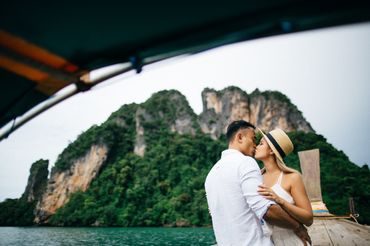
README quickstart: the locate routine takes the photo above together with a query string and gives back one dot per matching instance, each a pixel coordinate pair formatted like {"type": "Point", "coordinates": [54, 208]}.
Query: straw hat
{"type": "Point", "coordinates": [279, 142]}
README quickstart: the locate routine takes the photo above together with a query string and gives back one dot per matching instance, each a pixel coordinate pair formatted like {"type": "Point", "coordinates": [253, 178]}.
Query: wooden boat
{"type": "Point", "coordinates": [328, 229]}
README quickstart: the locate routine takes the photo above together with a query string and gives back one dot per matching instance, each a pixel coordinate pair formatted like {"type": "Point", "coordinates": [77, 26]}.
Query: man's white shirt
{"type": "Point", "coordinates": [236, 207]}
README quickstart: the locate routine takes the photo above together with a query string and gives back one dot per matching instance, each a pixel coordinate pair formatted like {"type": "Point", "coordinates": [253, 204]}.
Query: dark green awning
{"type": "Point", "coordinates": [48, 45]}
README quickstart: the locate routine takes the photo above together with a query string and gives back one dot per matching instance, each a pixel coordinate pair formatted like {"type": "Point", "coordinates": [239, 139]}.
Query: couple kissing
{"type": "Point", "coordinates": [249, 206]}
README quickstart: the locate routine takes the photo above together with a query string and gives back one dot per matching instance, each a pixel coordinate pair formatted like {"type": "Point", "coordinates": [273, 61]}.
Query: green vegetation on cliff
{"type": "Point", "coordinates": [16, 212]}
{"type": "Point", "coordinates": [165, 187]}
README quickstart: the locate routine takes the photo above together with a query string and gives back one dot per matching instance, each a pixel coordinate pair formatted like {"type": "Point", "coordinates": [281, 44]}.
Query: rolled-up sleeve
{"type": "Point", "coordinates": [250, 177]}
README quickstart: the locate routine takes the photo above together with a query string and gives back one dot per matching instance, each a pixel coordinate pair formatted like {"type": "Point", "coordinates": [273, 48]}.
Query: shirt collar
{"type": "Point", "coordinates": [229, 152]}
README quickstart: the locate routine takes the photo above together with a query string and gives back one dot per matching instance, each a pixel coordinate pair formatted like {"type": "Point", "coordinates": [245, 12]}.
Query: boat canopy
{"type": "Point", "coordinates": [46, 46]}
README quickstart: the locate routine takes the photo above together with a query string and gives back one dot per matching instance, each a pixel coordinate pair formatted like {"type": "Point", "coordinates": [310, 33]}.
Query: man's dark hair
{"type": "Point", "coordinates": [235, 126]}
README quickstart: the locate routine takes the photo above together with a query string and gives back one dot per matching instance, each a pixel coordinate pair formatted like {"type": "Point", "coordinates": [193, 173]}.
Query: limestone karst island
{"type": "Point", "coordinates": [146, 164]}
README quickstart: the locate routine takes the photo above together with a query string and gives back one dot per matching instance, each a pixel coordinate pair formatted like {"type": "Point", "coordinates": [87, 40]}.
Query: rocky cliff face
{"type": "Point", "coordinates": [269, 110]}
{"type": "Point", "coordinates": [266, 110]}
{"type": "Point", "coordinates": [37, 181]}
{"type": "Point", "coordinates": [63, 183]}
{"type": "Point", "coordinates": [222, 107]}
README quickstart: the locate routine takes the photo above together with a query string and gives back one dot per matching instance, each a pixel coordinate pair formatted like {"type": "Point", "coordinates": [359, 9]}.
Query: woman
{"type": "Point", "coordinates": [282, 184]}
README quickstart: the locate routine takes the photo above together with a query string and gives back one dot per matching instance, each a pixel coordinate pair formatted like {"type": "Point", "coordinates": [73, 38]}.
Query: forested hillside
{"type": "Point", "coordinates": [166, 186]}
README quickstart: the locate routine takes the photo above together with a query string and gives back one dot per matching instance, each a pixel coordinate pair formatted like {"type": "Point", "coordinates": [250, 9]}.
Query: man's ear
{"type": "Point", "coordinates": [239, 137]}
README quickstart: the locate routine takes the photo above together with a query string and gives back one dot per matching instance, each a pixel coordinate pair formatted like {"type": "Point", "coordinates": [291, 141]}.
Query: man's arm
{"type": "Point", "coordinates": [250, 177]}
{"type": "Point", "coordinates": [275, 215]}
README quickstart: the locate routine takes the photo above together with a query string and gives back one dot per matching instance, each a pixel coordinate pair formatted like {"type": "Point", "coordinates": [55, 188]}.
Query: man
{"type": "Point", "coordinates": [236, 208]}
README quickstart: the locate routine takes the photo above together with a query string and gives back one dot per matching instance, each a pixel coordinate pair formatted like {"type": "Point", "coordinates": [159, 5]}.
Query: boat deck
{"type": "Point", "coordinates": [332, 231]}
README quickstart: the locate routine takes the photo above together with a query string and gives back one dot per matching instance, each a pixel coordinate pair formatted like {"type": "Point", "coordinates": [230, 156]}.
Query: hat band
{"type": "Point", "coordinates": [276, 145]}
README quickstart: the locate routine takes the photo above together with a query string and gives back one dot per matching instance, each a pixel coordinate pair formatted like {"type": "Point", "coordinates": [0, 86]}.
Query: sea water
{"type": "Point", "coordinates": [52, 236]}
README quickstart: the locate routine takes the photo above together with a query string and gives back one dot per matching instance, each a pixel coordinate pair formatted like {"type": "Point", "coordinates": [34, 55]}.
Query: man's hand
{"type": "Point", "coordinates": [302, 233]}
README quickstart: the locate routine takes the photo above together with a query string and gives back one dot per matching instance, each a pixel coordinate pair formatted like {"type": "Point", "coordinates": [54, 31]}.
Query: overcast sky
{"type": "Point", "coordinates": [324, 72]}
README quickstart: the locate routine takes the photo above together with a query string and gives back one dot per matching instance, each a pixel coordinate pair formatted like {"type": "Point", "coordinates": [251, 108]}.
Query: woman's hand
{"type": "Point", "coordinates": [268, 193]}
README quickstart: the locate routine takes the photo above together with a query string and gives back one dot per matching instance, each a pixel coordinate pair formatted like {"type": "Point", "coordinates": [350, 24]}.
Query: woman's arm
{"type": "Point", "coordinates": [301, 210]}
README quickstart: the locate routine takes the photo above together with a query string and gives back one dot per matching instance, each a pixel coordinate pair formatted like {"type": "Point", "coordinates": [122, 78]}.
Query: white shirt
{"type": "Point", "coordinates": [234, 203]}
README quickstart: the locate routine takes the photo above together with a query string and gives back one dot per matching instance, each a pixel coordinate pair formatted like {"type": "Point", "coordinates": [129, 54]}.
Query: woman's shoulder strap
{"type": "Point", "coordinates": [280, 178]}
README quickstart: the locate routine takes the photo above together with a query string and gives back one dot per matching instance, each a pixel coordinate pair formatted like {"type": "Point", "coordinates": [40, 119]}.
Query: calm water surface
{"type": "Point", "coordinates": [105, 236]}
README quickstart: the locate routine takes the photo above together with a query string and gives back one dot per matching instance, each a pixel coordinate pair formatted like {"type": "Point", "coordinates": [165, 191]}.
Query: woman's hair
{"type": "Point", "coordinates": [281, 166]}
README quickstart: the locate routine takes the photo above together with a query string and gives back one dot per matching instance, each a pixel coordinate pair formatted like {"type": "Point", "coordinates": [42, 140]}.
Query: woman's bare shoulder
{"type": "Point", "coordinates": [293, 177]}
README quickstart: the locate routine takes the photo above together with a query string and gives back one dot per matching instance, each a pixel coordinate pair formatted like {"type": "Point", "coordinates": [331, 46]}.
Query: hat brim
{"type": "Point", "coordinates": [278, 156]}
